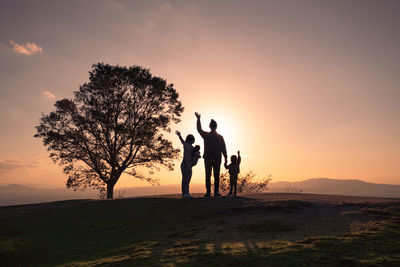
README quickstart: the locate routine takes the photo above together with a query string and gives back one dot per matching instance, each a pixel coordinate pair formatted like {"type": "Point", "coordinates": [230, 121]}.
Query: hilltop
{"type": "Point", "coordinates": [18, 194]}
{"type": "Point", "coordinates": [251, 230]}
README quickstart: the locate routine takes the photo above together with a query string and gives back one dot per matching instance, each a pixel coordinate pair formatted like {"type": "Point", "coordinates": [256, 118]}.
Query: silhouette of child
{"type": "Point", "coordinates": [190, 158]}
{"type": "Point", "coordinates": [196, 155]}
{"type": "Point", "coordinates": [233, 169]}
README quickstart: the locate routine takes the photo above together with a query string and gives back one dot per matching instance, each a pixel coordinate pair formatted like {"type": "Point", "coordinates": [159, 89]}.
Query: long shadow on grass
{"type": "Point", "coordinates": [83, 230]}
{"type": "Point", "coordinates": [176, 237]}
{"type": "Point", "coordinates": [158, 231]}
{"type": "Point", "coordinates": [379, 248]}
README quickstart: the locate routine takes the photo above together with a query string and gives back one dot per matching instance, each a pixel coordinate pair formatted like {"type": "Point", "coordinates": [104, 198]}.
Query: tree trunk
{"type": "Point", "coordinates": [110, 190]}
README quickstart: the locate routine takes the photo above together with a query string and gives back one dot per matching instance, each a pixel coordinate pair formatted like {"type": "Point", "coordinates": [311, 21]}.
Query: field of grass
{"type": "Point", "coordinates": [168, 231]}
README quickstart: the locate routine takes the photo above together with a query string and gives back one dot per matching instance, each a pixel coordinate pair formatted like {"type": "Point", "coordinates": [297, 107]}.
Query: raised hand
{"type": "Point", "coordinates": [197, 115]}
{"type": "Point", "coordinates": [178, 133]}
{"type": "Point", "coordinates": [238, 153]}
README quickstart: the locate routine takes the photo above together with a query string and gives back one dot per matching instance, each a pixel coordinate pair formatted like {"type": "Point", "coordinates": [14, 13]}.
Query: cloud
{"type": "Point", "coordinates": [166, 6]}
{"type": "Point", "coordinates": [28, 49]}
{"type": "Point", "coordinates": [9, 165]}
{"type": "Point", "coordinates": [48, 94]}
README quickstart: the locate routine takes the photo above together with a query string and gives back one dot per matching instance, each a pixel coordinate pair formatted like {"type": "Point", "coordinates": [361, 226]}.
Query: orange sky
{"type": "Point", "coordinates": [304, 89]}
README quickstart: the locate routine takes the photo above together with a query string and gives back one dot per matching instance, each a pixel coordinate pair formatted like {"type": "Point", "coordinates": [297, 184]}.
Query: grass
{"type": "Point", "coordinates": [193, 232]}
{"type": "Point", "coordinates": [266, 226]}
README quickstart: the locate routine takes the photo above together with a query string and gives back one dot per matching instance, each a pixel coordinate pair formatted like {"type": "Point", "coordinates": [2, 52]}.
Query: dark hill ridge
{"type": "Point", "coordinates": [337, 187]}
{"type": "Point", "coordinates": [15, 194]}
{"type": "Point", "coordinates": [259, 229]}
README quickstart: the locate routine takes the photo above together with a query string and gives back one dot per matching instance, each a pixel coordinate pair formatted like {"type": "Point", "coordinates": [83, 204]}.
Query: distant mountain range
{"type": "Point", "coordinates": [15, 194]}
{"type": "Point", "coordinates": [337, 187]}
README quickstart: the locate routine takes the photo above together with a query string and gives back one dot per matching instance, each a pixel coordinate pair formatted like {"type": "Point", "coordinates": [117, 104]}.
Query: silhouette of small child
{"type": "Point", "coordinates": [234, 170]}
{"type": "Point", "coordinates": [196, 155]}
{"type": "Point", "coordinates": [190, 158]}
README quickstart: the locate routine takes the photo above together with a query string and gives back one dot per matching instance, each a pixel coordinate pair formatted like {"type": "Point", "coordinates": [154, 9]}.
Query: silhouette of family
{"type": "Point", "coordinates": [214, 148]}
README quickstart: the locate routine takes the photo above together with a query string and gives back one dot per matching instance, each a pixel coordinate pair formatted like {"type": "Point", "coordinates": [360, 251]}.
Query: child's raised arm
{"type": "Point", "coordinates": [178, 133]}
{"type": "Point", "coordinates": [239, 158]}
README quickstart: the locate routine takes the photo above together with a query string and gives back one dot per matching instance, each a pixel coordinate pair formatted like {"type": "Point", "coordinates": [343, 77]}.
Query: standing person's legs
{"type": "Point", "coordinates": [207, 165]}
{"type": "Point", "coordinates": [186, 176]}
{"type": "Point", "coordinates": [235, 184]}
{"type": "Point", "coordinates": [230, 184]}
{"type": "Point", "coordinates": [188, 180]}
{"type": "Point", "coordinates": [217, 167]}
{"type": "Point", "coordinates": [183, 178]}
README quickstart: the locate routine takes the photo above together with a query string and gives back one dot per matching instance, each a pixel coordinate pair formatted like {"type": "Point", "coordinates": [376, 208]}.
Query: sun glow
{"type": "Point", "coordinates": [228, 126]}
{"type": "Point", "coordinates": [229, 130]}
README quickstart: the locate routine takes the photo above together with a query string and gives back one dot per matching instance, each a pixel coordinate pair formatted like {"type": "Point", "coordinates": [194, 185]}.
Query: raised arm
{"type": "Point", "coordinates": [198, 124]}
{"type": "Point", "coordinates": [239, 158]}
{"type": "Point", "coordinates": [178, 133]}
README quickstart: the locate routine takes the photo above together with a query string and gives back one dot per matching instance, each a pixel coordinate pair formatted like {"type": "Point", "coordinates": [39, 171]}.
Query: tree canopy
{"type": "Point", "coordinates": [114, 124]}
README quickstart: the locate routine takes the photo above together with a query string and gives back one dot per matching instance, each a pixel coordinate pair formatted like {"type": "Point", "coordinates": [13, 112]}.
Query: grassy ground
{"type": "Point", "coordinates": [249, 231]}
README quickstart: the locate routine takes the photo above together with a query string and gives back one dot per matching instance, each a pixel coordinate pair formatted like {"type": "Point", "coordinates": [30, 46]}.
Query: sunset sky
{"type": "Point", "coordinates": [303, 88]}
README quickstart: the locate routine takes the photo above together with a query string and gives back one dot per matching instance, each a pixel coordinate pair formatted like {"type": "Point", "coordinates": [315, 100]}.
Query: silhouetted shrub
{"type": "Point", "coordinates": [247, 183]}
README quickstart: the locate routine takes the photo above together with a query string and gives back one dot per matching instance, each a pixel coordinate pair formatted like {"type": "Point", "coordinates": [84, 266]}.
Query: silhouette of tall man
{"type": "Point", "coordinates": [214, 146]}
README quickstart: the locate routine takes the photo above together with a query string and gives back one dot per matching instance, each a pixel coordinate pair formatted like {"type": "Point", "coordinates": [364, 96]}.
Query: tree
{"type": "Point", "coordinates": [114, 124]}
{"type": "Point", "coordinates": [246, 183]}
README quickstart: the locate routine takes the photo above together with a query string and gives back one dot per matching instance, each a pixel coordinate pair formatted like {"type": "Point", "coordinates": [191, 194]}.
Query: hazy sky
{"type": "Point", "coordinates": [303, 88]}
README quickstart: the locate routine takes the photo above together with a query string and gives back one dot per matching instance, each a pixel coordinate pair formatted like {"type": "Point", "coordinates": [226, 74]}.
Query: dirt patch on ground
{"type": "Point", "coordinates": [282, 216]}
{"type": "Point", "coordinates": [317, 198]}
